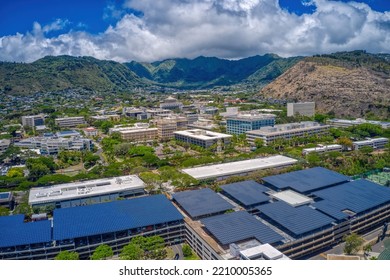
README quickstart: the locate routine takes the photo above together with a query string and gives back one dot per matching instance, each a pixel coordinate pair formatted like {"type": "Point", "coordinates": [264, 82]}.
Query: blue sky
{"type": "Point", "coordinates": [148, 30]}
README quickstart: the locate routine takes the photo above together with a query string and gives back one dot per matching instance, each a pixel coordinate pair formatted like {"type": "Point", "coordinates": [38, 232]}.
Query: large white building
{"type": "Point", "coordinates": [286, 131]}
{"type": "Point", "coordinates": [349, 123]}
{"type": "Point", "coordinates": [246, 121]}
{"type": "Point", "coordinates": [375, 143]}
{"type": "Point", "coordinates": [171, 103]}
{"type": "Point", "coordinates": [302, 108]}
{"type": "Point", "coordinates": [225, 170]}
{"type": "Point", "coordinates": [54, 145]}
{"type": "Point", "coordinates": [203, 138]}
{"type": "Point", "coordinates": [33, 121]}
{"type": "Point", "coordinates": [87, 192]}
{"type": "Point", "coordinates": [69, 121]}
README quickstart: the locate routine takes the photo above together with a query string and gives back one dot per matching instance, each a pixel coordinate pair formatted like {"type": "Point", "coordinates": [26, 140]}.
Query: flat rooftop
{"type": "Point", "coordinates": [14, 231]}
{"type": "Point", "coordinates": [247, 193]}
{"type": "Point", "coordinates": [322, 148]}
{"type": "Point", "coordinates": [306, 180]}
{"type": "Point", "coordinates": [292, 198]}
{"type": "Point", "coordinates": [357, 196]}
{"type": "Point", "coordinates": [251, 116]}
{"type": "Point", "coordinates": [238, 167]}
{"type": "Point", "coordinates": [113, 216]}
{"type": "Point", "coordinates": [202, 134]}
{"type": "Point", "coordinates": [84, 189]}
{"type": "Point", "coordinates": [296, 221]}
{"type": "Point", "coordinates": [202, 202]}
{"type": "Point", "coordinates": [373, 140]}
{"type": "Point", "coordinates": [286, 128]}
{"type": "Point", "coordinates": [239, 226]}
{"type": "Point", "coordinates": [264, 251]}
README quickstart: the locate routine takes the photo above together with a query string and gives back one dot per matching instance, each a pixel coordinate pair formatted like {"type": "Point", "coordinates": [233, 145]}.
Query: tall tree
{"type": "Point", "coordinates": [353, 243]}
{"type": "Point", "coordinates": [102, 252]}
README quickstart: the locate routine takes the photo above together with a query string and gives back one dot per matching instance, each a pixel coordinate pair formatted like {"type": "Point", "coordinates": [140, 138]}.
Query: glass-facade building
{"type": "Point", "coordinates": [243, 123]}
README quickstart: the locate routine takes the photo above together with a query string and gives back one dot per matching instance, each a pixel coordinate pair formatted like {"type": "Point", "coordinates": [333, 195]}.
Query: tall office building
{"type": "Point", "coordinates": [302, 108]}
{"type": "Point", "coordinates": [33, 121]}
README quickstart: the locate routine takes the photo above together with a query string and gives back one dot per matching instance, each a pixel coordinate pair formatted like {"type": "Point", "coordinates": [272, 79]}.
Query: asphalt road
{"type": "Point", "coordinates": [177, 250]}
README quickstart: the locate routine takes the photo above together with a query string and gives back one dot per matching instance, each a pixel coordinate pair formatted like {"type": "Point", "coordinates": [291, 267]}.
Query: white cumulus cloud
{"type": "Point", "coordinates": [222, 28]}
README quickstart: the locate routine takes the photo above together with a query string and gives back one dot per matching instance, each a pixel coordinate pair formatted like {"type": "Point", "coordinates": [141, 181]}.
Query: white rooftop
{"type": "Point", "coordinates": [292, 198]}
{"type": "Point", "coordinates": [265, 251]}
{"type": "Point", "coordinates": [84, 189]}
{"type": "Point", "coordinates": [323, 148]}
{"type": "Point", "coordinates": [286, 128]}
{"type": "Point", "coordinates": [202, 134]}
{"type": "Point", "coordinates": [238, 167]}
{"type": "Point", "coordinates": [369, 141]}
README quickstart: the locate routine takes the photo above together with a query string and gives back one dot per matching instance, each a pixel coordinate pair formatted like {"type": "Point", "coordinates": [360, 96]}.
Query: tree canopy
{"type": "Point", "coordinates": [102, 252]}
{"type": "Point", "coordinates": [353, 243]}
{"type": "Point", "coordinates": [66, 255]}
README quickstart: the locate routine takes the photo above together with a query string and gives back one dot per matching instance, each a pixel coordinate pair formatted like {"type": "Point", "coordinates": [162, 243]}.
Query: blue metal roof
{"type": "Point", "coordinates": [201, 202]}
{"type": "Point", "coordinates": [14, 232]}
{"type": "Point", "coordinates": [239, 226]}
{"type": "Point", "coordinates": [306, 180]}
{"type": "Point", "coordinates": [247, 193]}
{"type": "Point", "coordinates": [357, 196]}
{"type": "Point", "coordinates": [296, 220]}
{"type": "Point", "coordinates": [113, 216]}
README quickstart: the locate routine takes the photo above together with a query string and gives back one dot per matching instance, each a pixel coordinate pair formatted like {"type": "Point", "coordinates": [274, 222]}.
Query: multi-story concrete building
{"type": "Point", "coordinates": [208, 110]}
{"type": "Point", "coordinates": [82, 229]}
{"type": "Point", "coordinates": [299, 214]}
{"type": "Point", "coordinates": [191, 117]}
{"type": "Point", "coordinates": [242, 123]}
{"type": "Point", "coordinates": [167, 126]}
{"type": "Point", "coordinates": [112, 117]}
{"type": "Point", "coordinates": [153, 112]}
{"type": "Point", "coordinates": [287, 131]}
{"type": "Point", "coordinates": [133, 112]}
{"type": "Point", "coordinates": [91, 131]}
{"type": "Point", "coordinates": [302, 109]}
{"type": "Point", "coordinates": [4, 144]}
{"type": "Point", "coordinates": [33, 121]}
{"type": "Point", "coordinates": [238, 168]}
{"type": "Point", "coordinates": [203, 138]}
{"type": "Point", "coordinates": [69, 121]}
{"type": "Point", "coordinates": [53, 145]}
{"type": "Point", "coordinates": [171, 103]}
{"type": "Point", "coordinates": [375, 143]}
{"type": "Point", "coordinates": [87, 192]}
{"type": "Point", "coordinates": [203, 124]}
{"type": "Point", "coordinates": [138, 133]}
{"type": "Point", "coordinates": [349, 123]}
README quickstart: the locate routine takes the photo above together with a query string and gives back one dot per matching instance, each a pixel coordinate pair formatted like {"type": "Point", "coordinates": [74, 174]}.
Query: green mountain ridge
{"type": "Point", "coordinates": [56, 73]}
{"type": "Point", "coordinates": [62, 72]}
{"type": "Point", "coordinates": [206, 72]}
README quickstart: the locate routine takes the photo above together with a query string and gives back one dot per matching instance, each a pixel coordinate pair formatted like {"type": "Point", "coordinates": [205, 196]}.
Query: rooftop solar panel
{"type": "Point", "coordinates": [297, 221]}
{"type": "Point", "coordinates": [306, 180]}
{"type": "Point", "coordinates": [247, 193]}
{"type": "Point", "coordinates": [15, 232]}
{"type": "Point", "coordinates": [239, 226]}
{"type": "Point", "coordinates": [201, 202]}
{"type": "Point", "coordinates": [113, 216]}
{"type": "Point", "coordinates": [357, 196]}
